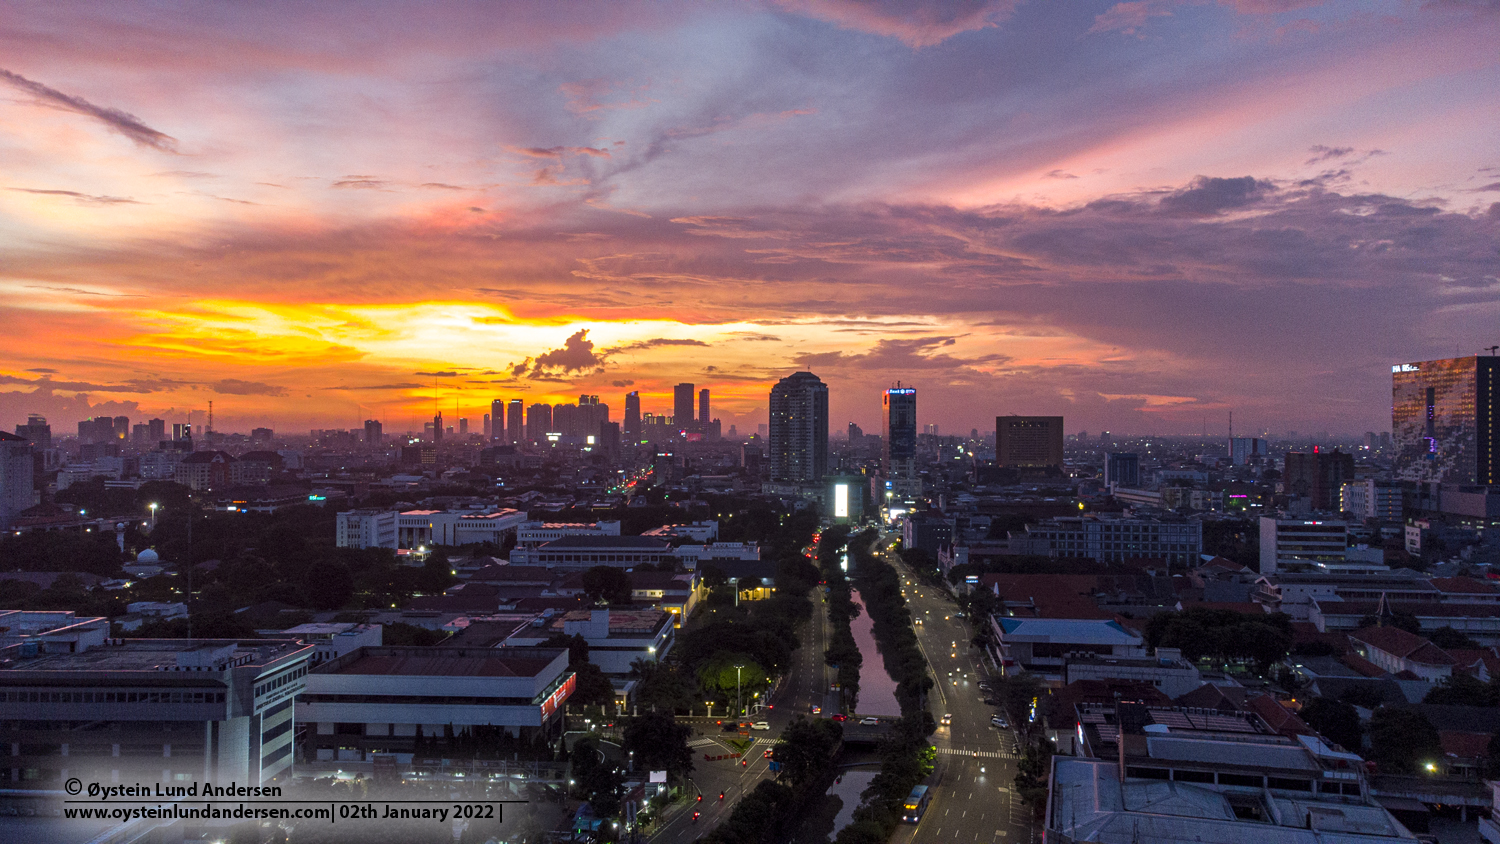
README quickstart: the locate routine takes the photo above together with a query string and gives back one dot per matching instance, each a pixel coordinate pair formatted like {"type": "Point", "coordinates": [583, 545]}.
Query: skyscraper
{"type": "Point", "coordinates": [514, 432]}
{"type": "Point", "coordinates": [497, 420]}
{"type": "Point", "coordinates": [1029, 442]}
{"type": "Point", "coordinates": [16, 468]}
{"type": "Point", "coordinates": [158, 429]}
{"type": "Point", "coordinates": [799, 428]}
{"type": "Point", "coordinates": [682, 406]}
{"type": "Point", "coordinates": [1318, 476]}
{"type": "Point", "coordinates": [36, 431]}
{"type": "Point", "coordinates": [374, 432]}
{"type": "Point", "coordinates": [437, 428]}
{"type": "Point", "coordinates": [538, 422]}
{"type": "Point", "coordinates": [633, 416]}
{"type": "Point", "coordinates": [899, 418]}
{"type": "Point", "coordinates": [703, 416]}
{"type": "Point", "coordinates": [1443, 421]}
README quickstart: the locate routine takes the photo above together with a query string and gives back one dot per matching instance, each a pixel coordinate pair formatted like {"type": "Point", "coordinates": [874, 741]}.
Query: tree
{"type": "Point", "coordinates": [660, 744]}
{"type": "Point", "coordinates": [1402, 740]}
{"type": "Point", "coordinates": [598, 778]}
{"type": "Point", "coordinates": [327, 585]}
{"type": "Point", "coordinates": [593, 688]}
{"type": "Point", "coordinates": [578, 647]}
{"type": "Point", "coordinates": [1464, 690]}
{"type": "Point", "coordinates": [1336, 720]}
{"type": "Point", "coordinates": [721, 674]}
{"type": "Point", "coordinates": [607, 585]}
{"type": "Point", "coordinates": [1446, 638]}
{"type": "Point", "coordinates": [806, 749]}
{"type": "Point", "coordinates": [662, 687]}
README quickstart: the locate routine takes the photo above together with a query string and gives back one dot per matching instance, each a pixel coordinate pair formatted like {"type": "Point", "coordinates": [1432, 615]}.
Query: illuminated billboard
{"type": "Point", "coordinates": [841, 501]}
{"type": "Point", "coordinates": [555, 700]}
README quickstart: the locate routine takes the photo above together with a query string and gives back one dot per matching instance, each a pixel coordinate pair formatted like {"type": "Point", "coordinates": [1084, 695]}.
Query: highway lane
{"type": "Point", "coordinates": [973, 799]}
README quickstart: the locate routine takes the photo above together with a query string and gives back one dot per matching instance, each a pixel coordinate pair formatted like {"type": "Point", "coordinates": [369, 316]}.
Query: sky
{"type": "Point", "coordinates": [1143, 216]}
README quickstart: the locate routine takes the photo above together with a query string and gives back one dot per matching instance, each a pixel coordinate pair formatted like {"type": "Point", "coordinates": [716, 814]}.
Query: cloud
{"type": "Point", "coordinates": [556, 153]}
{"type": "Point", "coordinates": [622, 383]}
{"type": "Point", "coordinates": [360, 183]}
{"type": "Point", "coordinates": [237, 387]}
{"type": "Point", "coordinates": [44, 370]}
{"type": "Point", "coordinates": [908, 355]}
{"type": "Point", "coordinates": [1324, 153]}
{"type": "Point", "coordinates": [1128, 18]}
{"type": "Point", "coordinates": [915, 23]}
{"type": "Point", "coordinates": [82, 197]}
{"type": "Point", "coordinates": [126, 124]}
{"type": "Point", "coordinates": [1059, 174]}
{"type": "Point", "coordinates": [654, 343]}
{"type": "Point", "coordinates": [1207, 195]}
{"type": "Point", "coordinates": [576, 356]}
{"type": "Point", "coordinates": [399, 386]}
{"type": "Point", "coordinates": [1489, 187]}
{"type": "Point", "coordinates": [442, 374]}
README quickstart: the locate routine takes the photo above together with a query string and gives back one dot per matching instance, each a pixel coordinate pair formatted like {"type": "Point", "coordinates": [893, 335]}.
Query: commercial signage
{"type": "Point", "coordinates": [555, 700]}
{"type": "Point", "coordinates": [841, 501]}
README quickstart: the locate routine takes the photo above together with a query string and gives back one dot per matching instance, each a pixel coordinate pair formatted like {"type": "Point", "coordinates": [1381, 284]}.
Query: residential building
{"type": "Point", "coordinates": [374, 432]}
{"type": "Point", "coordinates": [514, 432]}
{"type": "Point", "coordinates": [1245, 450]}
{"type": "Point", "coordinates": [1122, 469]}
{"type": "Point", "coordinates": [1029, 442]}
{"type": "Point", "coordinates": [164, 709]}
{"type": "Point", "coordinates": [538, 423]}
{"type": "Point", "coordinates": [36, 431]}
{"type": "Point", "coordinates": [16, 482]}
{"type": "Point", "coordinates": [799, 429]}
{"type": "Point", "coordinates": [1443, 421]}
{"type": "Point", "coordinates": [204, 471]}
{"type": "Point", "coordinates": [704, 416]}
{"type": "Point", "coordinates": [405, 701]}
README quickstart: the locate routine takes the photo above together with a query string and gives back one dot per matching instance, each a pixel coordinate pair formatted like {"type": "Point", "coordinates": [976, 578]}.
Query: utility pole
{"type": "Point", "coordinates": [739, 707]}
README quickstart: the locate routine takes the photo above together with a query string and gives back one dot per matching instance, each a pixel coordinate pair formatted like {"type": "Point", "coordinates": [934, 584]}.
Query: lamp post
{"type": "Point", "coordinates": [153, 505]}
{"type": "Point", "coordinates": [739, 707]}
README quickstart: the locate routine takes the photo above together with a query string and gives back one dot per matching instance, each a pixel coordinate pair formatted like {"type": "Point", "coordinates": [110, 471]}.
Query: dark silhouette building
{"type": "Point", "coordinates": [1318, 476]}
{"type": "Point", "coordinates": [799, 429]}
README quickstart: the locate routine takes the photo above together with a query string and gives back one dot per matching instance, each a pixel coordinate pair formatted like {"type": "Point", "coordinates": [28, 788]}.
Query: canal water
{"type": "Point", "coordinates": [877, 691]}
{"type": "Point", "coordinates": [847, 789]}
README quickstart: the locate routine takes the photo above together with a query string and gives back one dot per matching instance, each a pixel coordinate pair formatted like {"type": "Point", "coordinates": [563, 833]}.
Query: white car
{"type": "Point", "coordinates": [869, 722]}
{"type": "Point", "coordinates": [761, 725]}
{"type": "Point", "coordinates": [1000, 722]}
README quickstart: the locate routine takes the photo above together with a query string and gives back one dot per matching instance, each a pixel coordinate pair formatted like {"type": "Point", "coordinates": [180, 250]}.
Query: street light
{"type": "Point", "coordinates": [738, 706]}
{"type": "Point", "coordinates": [153, 505]}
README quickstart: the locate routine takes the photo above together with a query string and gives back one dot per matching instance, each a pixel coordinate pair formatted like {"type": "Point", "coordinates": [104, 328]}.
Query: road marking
{"type": "Point", "coordinates": [981, 754]}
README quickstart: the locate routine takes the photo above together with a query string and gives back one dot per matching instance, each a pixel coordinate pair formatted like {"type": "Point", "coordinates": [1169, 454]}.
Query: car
{"type": "Point", "coordinates": [918, 622]}
{"type": "Point", "coordinates": [947, 719]}
{"type": "Point", "coordinates": [760, 725]}
{"type": "Point", "coordinates": [839, 716]}
{"type": "Point", "coordinates": [767, 754]}
{"type": "Point", "coordinates": [817, 710]}
{"type": "Point", "coordinates": [992, 701]}
{"type": "Point", "coordinates": [1000, 722]}
{"type": "Point", "coordinates": [869, 722]}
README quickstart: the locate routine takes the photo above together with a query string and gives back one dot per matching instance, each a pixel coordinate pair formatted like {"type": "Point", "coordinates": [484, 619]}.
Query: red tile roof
{"type": "Point", "coordinates": [1403, 645]}
{"type": "Point", "coordinates": [1280, 719]}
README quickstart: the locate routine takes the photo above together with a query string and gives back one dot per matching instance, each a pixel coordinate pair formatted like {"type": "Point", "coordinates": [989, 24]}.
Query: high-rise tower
{"type": "Point", "coordinates": [682, 406]}
{"type": "Point", "coordinates": [899, 417]}
{"type": "Point", "coordinates": [799, 429]}
{"type": "Point", "coordinates": [513, 413]}
{"type": "Point", "coordinates": [497, 420]}
{"type": "Point", "coordinates": [1443, 421]}
{"type": "Point", "coordinates": [633, 416]}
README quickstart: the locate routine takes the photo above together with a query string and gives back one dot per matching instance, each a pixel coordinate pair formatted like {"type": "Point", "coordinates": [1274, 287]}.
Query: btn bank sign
{"type": "Point", "coordinates": [555, 700]}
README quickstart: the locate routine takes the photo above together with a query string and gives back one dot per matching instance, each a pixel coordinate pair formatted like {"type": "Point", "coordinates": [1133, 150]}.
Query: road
{"type": "Point", "coordinates": [974, 799]}
{"type": "Point", "coordinates": [806, 685]}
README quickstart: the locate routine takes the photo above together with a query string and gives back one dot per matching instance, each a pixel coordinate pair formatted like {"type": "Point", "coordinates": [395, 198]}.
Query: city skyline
{"type": "Point", "coordinates": [1137, 216]}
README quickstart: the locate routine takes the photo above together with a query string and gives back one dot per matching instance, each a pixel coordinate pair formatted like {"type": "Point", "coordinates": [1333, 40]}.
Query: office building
{"type": "Point", "coordinates": [36, 431]}
{"type": "Point", "coordinates": [497, 421]}
{"type": "Point", "coordinates": [463, 424]}
{"type": "Point", "coordinates": [1443, 421]}
{"type": "Point", "coordinates": [704, 418]}
{"type": "Point", "coordinates": [538, 422]}
{"type": "Point", "coordinates": [799, 429]}
{"type": "Point", "coordinates": [632, 427]}
{"type": "Point", "coordinates": [437, 428]}
{"type": "Point", "coordinates": [182, 431]}
{"type": "Point", "coordinates": [1246, 450]}
{"type": "Point", "coordinates": [374, 432]}
{"type": "Point", "coordinates": [1301, 542]}
{"type": "Point", "coordinates": [158, 429]}
{"type": "Point", "coordinates": [514, 432]}
{"type": "Point", "coordinates": [1177, 542]}
{"type": "Point", "coordinates": [204, 471]}
{"type": "Point", "coordinates": [682, 407]}
{"type": "Point", "coordinates": [1175, 775]}
{"type": "Point", "coordinates": [98, 429]}
{"type": "Point", "coordinates": [1318, 476]}
{"type": "Point", "coordinates": [1029, 442]}
{"type": "Point", "coordinates": [1372, 499]}
{"type": "Point", "coordinates": [390, 700]}
{"type": "Point", "coordinates": [167, 710]}
{"type": "Point", "coordinates": [1122, 469]}
{"type": "Point", "coordinates": [899, 417]}
{"type": "Point", "coordinates": [16, 478]}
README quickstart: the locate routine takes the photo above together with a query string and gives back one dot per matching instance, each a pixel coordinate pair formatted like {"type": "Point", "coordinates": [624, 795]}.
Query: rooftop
{"type": "Point", "coordinates": [648, 543]}
{"type": "Point", "coordinates": [158, 655]}
{"type": "Point", "coordinates": [443, 662]}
